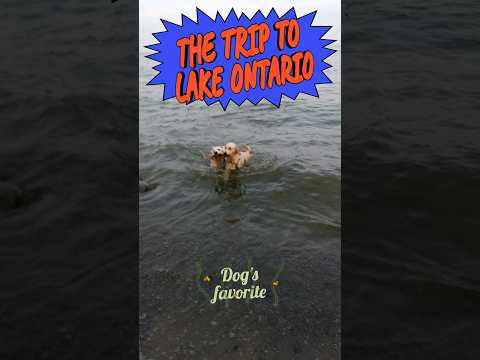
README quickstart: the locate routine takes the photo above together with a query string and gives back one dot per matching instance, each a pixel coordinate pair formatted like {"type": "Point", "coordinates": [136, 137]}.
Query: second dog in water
{"type": "Point", "coordinates": [237, 158]}
{"type": "Point", "coordinates": [217, 157]}
{"type": "Point", "coordinates": [229, 156]}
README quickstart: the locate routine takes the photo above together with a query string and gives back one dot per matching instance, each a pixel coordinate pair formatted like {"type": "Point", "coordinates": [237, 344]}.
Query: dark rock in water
{"type": "Point", "coordinates": [10, 196]}
{"type": "Point", "coordinates": [144, 186]}
{"type": "Point", "coordinates": [232, 220]}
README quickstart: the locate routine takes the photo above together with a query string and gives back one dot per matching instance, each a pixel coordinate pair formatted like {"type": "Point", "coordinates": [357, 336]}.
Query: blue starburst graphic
{"type": "Point", "coordinates": [311, 39]}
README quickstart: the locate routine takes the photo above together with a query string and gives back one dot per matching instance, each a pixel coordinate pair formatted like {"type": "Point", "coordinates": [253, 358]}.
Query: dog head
{"type": "Point", "coordinates": [231, 149]}
{"type": "Point", "coordinates": [217, 151]}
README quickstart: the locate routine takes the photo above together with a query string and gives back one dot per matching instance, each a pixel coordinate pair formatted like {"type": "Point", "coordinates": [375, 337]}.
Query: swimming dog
{"type": "Point", "coordinates": [236, 158]}
{"type": "Point", "coordinates": [217, 157]}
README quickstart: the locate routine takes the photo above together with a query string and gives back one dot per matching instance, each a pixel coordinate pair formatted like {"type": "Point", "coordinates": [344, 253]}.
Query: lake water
{"type": "Point", "coordinates": [279, 215]}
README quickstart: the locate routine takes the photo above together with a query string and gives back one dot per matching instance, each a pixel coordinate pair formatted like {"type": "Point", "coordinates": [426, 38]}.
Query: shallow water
{"type": "Point", "coordinates": [282, 212]}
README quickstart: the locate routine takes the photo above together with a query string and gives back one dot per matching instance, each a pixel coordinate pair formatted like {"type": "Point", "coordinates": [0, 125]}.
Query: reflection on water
{"type": "Point", "coordinates": [229, 186]}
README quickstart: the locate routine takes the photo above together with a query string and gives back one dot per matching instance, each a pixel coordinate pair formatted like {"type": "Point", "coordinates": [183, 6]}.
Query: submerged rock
{"type": "Point", "coordinates": [144, 186]}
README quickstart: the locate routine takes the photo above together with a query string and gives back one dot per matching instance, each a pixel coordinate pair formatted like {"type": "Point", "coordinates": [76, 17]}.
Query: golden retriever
{"type": "Point", "coordinates": [235, 157]}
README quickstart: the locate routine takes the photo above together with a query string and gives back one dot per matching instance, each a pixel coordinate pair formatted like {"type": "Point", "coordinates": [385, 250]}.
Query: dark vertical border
{"type": "Point", "coordinates": [410, 170]}
{"type": "Point", "coordinates": [68, 180]}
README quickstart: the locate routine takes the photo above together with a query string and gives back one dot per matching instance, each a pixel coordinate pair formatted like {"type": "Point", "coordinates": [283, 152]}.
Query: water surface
{"type": "Point", "coordinates": [282, 213]}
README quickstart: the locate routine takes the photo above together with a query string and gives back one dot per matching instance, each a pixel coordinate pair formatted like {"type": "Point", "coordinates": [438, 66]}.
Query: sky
{"type": "Point", "coordinates": [328, 13]}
